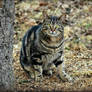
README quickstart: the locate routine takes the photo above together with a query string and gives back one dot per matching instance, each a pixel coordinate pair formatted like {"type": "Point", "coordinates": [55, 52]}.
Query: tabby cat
{"type": "Point", "coordinates": [42, 49]}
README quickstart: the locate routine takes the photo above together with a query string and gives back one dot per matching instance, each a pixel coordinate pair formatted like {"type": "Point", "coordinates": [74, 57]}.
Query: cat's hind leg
{"type": "Point", "coordinates": [61, 70]}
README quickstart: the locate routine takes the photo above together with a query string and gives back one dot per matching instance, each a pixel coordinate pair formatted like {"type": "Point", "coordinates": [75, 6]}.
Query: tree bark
{"type": "Point", "coordinates": [6, 45]}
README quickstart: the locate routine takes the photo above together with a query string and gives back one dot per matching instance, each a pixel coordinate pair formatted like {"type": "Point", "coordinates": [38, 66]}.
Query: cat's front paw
{"type": "Point", "coordinates": [38, 78]}
{"type": "Point", "coordinates": [47, 72]}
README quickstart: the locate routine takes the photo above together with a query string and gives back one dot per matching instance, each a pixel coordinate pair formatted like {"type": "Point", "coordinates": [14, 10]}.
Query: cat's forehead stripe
{"type": "Point", "coordinates": [53, 18]}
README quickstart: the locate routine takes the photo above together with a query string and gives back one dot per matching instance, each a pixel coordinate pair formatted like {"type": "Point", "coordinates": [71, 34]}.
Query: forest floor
{"type": "Point", "coordinates": [77, 53]}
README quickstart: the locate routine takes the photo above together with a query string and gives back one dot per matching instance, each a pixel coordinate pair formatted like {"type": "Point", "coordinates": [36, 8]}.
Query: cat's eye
{"type": "Point", "coordinates": [49, 25]}
{"type": "Point", "coordinates": [57, 26]}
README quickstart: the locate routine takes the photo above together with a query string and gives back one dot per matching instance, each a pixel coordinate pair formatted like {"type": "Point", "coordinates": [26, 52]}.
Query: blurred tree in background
{"type": "Point", "coordinates": [6, 44]}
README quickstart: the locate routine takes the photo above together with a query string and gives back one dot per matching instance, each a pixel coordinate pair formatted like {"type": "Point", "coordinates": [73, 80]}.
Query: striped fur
{"type": "Point", "coordinates": [42, 49]}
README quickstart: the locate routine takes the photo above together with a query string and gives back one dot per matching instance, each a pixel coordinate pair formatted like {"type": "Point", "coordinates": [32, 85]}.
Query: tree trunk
{"type": "Point", "coordinates": [6, 45]}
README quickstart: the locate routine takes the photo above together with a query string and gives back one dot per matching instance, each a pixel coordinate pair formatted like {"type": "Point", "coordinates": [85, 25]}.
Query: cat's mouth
{"type": "Point", "coordinates": [51, 41]}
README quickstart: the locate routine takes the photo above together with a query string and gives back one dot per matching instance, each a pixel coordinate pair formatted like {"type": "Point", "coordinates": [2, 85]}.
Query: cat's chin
{"type": "Point", "coordinates": [50, 45]}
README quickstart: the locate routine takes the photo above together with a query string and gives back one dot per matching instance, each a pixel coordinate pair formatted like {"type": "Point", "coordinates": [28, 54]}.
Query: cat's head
{"type": "Point", "coordinates": [52, 31]}
{"type": "Point", "coordinates": [52, 25]}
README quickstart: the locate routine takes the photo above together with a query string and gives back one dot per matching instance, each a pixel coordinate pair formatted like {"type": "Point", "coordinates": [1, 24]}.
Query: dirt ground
{"type": "Point", "coordinates": [77, 53]}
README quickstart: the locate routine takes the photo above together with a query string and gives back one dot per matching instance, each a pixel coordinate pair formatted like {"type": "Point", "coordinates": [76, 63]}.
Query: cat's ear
{"type": "Point", "coordinates": [63, 19]}
{"type": "Point", "coordinates": [45, 14]}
